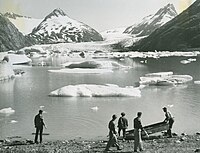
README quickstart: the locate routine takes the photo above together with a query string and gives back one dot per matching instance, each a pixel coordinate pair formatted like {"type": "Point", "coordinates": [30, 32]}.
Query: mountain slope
{"type": "Point", "coordinates": [58, 27]}
{"type": "Point", "coordinates": [180, 33]}
{"type": "Point", "coordinates": [152, 22]}
{"type": "Point", "coordinates": [24, 24]}
{"type": "Point", "coordinates": [10, 37]}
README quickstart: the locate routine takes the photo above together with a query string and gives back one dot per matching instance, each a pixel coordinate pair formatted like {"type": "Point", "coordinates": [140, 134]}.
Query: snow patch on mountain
{"type": "Point", "coordinates": [23, 23]}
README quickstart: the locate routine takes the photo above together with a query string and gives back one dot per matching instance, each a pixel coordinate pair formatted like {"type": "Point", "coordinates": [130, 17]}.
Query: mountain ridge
{"type": "Point", "coordinates": [10, 37]}
{"type": "Point", "coordinates": [181, 33]}
{"type": "Point", "coordinates": [151, 22]}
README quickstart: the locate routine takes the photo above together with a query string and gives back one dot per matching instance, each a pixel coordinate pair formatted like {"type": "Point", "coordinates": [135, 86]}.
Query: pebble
{"type": "Point", "coordinates": [183, 139]}
{"type": "Point", "coordinates": [198, 133]}
{"type": "Point", "coordinates": [177, 141]}
{"type": "Point", "coordinates": [183, 134]}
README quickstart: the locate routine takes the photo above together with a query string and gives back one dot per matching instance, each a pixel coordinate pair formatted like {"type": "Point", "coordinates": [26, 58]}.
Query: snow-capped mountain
{"type": "Point", "coordinates": [58, 27]}
{"type": "Point", "coordinates": [10, 37]}
{"type": "Point", "coordinates": [24, 24]}
{"type": "Point", "coordinates": [152, 22]}
{"type": "Point", "coordinates": [181, 33]}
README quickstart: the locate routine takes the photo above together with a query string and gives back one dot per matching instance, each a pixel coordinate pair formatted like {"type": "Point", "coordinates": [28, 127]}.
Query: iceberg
{"type": "Point", "coordinates": [78, 70]}
{"type": "Point", "coordinates": [92, 90]}
{"type": "Point", "coordinates": [92, 64]}
{"type": "Point", "coordinates": [188, 61]}
{"type": "Point", "coordinates": [7, 111]}
{"type": "Point", "coordinates": [6, 70]}
{"type": "Point", "coordinates": [94, 108]}
{"type": "Point", "coordinates": [164, 79]}
{"type": "Point", "coordinates": [13, 121]}
{"type": "Point", "coordinates": [197, 82]}
{"type": "Point", "coordinates": [18, 59]}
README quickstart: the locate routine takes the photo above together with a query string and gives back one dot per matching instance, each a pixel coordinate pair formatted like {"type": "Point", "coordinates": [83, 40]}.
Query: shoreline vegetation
{"type": "Point", "coordinates": [154, 144]}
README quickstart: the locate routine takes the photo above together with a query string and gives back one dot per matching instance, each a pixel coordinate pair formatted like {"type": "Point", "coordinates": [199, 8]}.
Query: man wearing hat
{"type": "Point", "coordinates": [112, 134]}
{"type": "Point", "coordinates": [39, 123]}
{"type": "Point", "coordinates": [122, 124]}
{"type": "Point", "coordinates": [169, 119]}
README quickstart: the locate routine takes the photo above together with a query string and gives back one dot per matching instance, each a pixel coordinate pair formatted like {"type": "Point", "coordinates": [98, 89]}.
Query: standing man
{"type": "Point", "coordinates": [168, 119]}
{"type": "Point", "coordinates": [112, 134]}
{"type": "Point", "coordinates": [39, 123]}
{"type": "Point", "coordinates": [122, 124]}
{"type": "Point", "coordinates": [137, 132]}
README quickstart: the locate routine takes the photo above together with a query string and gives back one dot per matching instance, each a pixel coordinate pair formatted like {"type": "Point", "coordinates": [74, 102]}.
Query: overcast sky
{"type": "Point", "coordinates": [99, 14]}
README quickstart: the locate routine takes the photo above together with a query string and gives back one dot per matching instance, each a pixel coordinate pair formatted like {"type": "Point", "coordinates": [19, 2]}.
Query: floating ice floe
{"type": "Point", "coordinates": [41, 107]}
{"type": "Point", "coordinates": [13, 121]}
{"type": "Point", "coordinates": [7, 111]}
{"type": "Point", "coordinates": [18, 59]}
{"type": "Point", "coordinates": [164, 79]}
{"type": "Point", "coordinates": [92, 64]}
{"type": "Point", "coordinates": [94, 108]}
{"type": "Point", "coordinates": [197, 82]}
{"type": "Point", "coordinates": [79, 70]}
{"type": "Point", "coordinates": [6, 71]}
{"type": "Point", "coordinates": [188, 61]}
{"type": "Point", "coordinates": [170, 105]}
{"type": "Point", "coordinates": [92, 90]}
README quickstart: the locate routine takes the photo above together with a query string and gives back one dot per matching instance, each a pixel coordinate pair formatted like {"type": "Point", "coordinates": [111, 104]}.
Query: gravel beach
{"type": "Point", "coordinates": [179, 144]}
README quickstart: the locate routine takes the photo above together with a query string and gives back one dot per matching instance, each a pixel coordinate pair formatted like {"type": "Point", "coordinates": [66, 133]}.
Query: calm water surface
{"type": "Point", "coordinates": [68, 118]}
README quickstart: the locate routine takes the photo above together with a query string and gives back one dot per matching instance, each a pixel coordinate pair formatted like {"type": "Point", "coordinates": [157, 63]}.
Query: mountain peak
{"type": "Point", "coordinates": [152, 22]}
{"type": "Point", "coordinates": [13, 15]}
{"type": "Point", "coordinates": [56, 13]}
{"type": "Point", "coordinates": [169, 8]}
{"type": "Point", "coordinates": [57, 27]}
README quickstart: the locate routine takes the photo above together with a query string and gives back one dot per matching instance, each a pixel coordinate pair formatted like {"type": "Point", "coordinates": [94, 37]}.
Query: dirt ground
{"type": "Point", "coordinates": [178, 144]}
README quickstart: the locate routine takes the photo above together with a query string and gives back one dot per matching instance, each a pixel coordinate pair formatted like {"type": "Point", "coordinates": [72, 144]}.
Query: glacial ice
{"type": "Point", "coordinates": [6, 70]}
{"type": "Point", "coordinates": [78, 70]}
{"type": "Point", "coordinates": [93, 90]}
{"type": "Point", "coordinates": [7, 111]}
{"type": "Point", "coordinates": [164, 79]}
{"type": "Point", "coordinates": [101, 64]}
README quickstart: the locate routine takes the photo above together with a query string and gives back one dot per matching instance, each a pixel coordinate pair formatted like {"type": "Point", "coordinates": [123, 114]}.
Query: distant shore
{"type": "Point", "coordinates": [179, 144]}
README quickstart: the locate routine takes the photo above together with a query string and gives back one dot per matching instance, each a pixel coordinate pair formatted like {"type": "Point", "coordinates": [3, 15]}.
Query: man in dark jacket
{"type": "Point", "coordinates": [168, 119]}
{"type": "Point", "coordinates": [138, 128]}
{"type": "Point", "coordinates": [112, 134]}
{"type": "Point", "coordinates": [39, 123]}
{"type": "Point", "coordinates": [122, 124]}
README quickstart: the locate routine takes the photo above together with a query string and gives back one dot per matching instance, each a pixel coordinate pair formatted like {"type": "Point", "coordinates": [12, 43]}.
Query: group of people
{"type": "Point", "coordinates": [122, 126]}
{"type": "Point", "coordinates": [138, 128]}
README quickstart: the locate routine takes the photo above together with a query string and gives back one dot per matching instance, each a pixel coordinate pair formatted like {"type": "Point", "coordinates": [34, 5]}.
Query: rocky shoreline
{"type": "Point", "coordinates": [159, 144]}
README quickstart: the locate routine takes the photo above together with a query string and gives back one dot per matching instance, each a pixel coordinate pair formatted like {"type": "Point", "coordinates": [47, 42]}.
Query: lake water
{"type": "Point", "coordinates": [69, 118]}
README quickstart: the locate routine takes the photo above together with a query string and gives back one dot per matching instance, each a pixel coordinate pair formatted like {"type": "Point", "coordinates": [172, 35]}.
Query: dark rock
{"type": "Point", "coordinates": [198, 133]}
{"type": "Point", "coordinates": [183, 139]}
